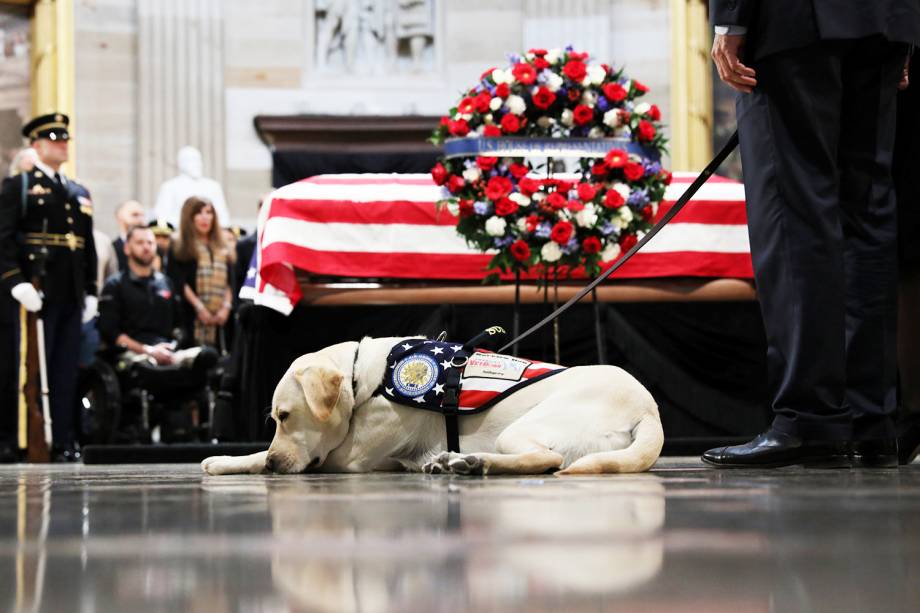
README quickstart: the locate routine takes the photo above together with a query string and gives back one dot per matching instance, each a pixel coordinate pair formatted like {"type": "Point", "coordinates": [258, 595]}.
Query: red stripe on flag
{"type": "Point", "coordinates": [473, 266]}
{"type": "Point", "coordinates": [388, 180]}
{"type": "Point", "coordinates": [474, 399]}
{"type": "Point", "coordinates": [729, 212]}
{"type": "Point", "coordinates": [374, 212]}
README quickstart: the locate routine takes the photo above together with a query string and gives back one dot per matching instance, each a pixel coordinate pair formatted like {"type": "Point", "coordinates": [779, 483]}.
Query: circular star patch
{"type": "Point", "coordinates": [415, 375]}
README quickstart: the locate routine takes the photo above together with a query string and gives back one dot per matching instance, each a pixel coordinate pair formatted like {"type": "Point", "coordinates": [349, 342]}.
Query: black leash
{"type": "Point", "coordinates": [681, 202]}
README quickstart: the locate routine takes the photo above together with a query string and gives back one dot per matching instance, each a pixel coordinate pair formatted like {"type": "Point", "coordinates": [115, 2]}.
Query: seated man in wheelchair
{"type": "Point", "coordinates": [139, 326]}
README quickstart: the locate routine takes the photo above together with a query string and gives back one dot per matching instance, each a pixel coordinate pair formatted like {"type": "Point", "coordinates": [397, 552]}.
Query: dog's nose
{"type": "Point", "coordinates": [270, 464]}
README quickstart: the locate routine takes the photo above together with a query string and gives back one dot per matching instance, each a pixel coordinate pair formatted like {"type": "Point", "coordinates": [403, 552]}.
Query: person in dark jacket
{"type": "Point", "coordinates": [816, 119]}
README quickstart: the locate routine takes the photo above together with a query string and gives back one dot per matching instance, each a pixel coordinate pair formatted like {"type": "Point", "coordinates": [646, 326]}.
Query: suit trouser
{"type": "Point", "coordinates": [62, 352]}
{"type": "Point", "coordinates": [816, 142]}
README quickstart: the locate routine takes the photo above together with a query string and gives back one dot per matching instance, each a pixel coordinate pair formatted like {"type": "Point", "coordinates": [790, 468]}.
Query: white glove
{"type": "Point", "coordinates": [27, 296]}
{"type": "Point", "coordinates": [90, 308]}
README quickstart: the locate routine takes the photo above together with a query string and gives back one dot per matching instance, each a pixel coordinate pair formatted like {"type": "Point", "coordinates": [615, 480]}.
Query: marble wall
{"type": "Point", "coordinates": [153, 75]}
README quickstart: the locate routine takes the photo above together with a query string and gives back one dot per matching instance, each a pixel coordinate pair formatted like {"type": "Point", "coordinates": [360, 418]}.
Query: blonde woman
{"type": "Point", "coordinates": [199, 265]}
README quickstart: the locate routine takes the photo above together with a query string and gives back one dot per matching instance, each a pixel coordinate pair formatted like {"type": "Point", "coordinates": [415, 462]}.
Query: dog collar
{"type": "Point", "coordinates": [354, 375]}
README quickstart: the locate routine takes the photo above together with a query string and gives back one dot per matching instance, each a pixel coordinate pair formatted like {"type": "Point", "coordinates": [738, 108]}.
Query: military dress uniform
{"type": "Point", "coordinates": [42, 210]}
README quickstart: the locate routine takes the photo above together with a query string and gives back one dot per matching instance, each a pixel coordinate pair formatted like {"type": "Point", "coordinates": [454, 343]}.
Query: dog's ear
{"type": "Point", "coordinates": [321, 387]}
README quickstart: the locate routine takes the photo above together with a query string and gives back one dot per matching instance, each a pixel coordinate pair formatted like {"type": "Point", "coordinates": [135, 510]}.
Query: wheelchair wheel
{"type": "Point", "coordinates": [99, 398]}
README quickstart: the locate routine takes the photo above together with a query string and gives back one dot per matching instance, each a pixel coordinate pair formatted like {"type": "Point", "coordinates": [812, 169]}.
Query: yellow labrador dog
{"type": "Point", "coordinates": [329, 418]}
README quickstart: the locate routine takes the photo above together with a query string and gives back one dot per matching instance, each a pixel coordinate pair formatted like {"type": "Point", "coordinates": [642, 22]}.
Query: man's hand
{"type": "Point", "coordinates": [905, 76]}
{"type": "Point", "coordinates": [726, 53]}
{"type": "Point", "coordinates": [161, 353]}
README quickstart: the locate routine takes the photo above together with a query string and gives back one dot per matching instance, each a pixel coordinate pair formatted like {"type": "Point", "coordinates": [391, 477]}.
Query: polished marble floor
{"type": "Point", "coordinates": [681, 538]}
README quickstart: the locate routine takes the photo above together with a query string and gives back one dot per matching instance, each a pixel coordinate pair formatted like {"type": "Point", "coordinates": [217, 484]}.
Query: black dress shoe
{"type": "Point", "coordinates": [773, 449]}
{"type": "Point", "coordinates": [879, 453]}
{"type": "Point", "coordinates": [908, 439]}
{"type": "Point", "coordinates": [68, 454]}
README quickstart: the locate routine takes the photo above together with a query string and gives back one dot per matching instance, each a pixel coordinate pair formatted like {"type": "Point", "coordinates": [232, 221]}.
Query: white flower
{"type": "Point", "coordinates": [472, 174]}
{"type": "Point", "coordinates": [595, 132]}
{"type": "Point", "coordinates": [487, 118]}
{"type": "Point", "coordinates": [642, 108]}
{"type": "Point", "coordinates": [564, 214]}
{"type": "Point", "coordinates": [610, 252]}
{"type": "Point", "coordinates": [500, 76]}
{"type": "Point", "coordinates": [538, 196]}
{"type": "Point", "coordinates": [596, 74]}
{"type": "Point", "coordinates": [453, 207]}
{"type": "Point", "coordinates": [624, 216]}
{"type": "Point", "coordinates": [622, 189]}
{"type": "Point", "coordinates": [529, 55]}
{"type": "Point", "coordinates": [552, 56]}
{"type": "Point", "coordinates": [567, 118]}
{"type": "Point", "coordinates": [495, 103]}
{"type": "Point", "coordinates": [544, 121]}
{"type": "Point", "coordinates": [521, 223]}
{"type": "Point", "coordinates": [586, 217]}
{"type": "Point", "coordinates": [550, 252]}
{"type": "Point", "coordinates": [588, 98]}
{"type": "Point", "coordinates": [495, 226]}
{"type": "Point", "coordinates": [521, 199]}
{"type": "Point", "coordinates": [612, 118]}
{"type": "Point", "coordinates": [553, 81]}
{"type": "Point", "coordinates": [516, 105]}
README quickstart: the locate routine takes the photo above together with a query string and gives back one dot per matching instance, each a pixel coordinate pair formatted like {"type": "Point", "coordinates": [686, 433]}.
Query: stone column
{"type": "Point", "coordinates": [180, 89]}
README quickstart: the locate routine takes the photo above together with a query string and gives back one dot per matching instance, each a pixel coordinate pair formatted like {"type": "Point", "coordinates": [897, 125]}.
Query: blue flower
{"type": "Point", "coordinates": [514, 58]}
{"type": "Point", "coordinates": [602, 104]}
{"type": "Point", "coordinates": [543, 230]}
{"type": "Point", "coordinates": [504, 241]}
{"type": "Point", "coordinates": [569, 48]}
{"type": "Point", "coordinates": [482, 208]}
{"type": "Point", "coordinates": [608, 228]}
{"type": "Point", "coordinates": [652, 168]}
{"type": "Point", "coordinates": [638, 198]}
{"type": "Point", "coordinates": [571, 246]}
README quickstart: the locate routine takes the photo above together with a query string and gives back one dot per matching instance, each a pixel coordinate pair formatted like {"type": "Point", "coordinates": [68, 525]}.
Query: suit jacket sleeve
{"type": "Point", "coordinates": [732, 12]}
{"type": "Point", "coordinates": [10, 203]}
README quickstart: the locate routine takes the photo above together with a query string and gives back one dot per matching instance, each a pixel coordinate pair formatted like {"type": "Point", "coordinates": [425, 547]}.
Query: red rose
{"type": "Point", "coordinates": [465, 106]}
{"type": "Point", "coordinates": [614, 92]}
{"type": "Point", "coordinates": [586, 191]}
{"type": "Point", "coordinates": [540, 64]}
{"type": "Point", "coordinates": [592, 244]}
{"type": "Point", "coordinates": [458, 127]}
{"type": "Point", "coordinates": [533, 220]}
{"type": "Point", "coordinates": [518, 170]}
{"type": "Point", "coordinates": [511, 123]}
{"type": "Point", "coordinates": [561, 232]}
{"type": "Point", "coordinates": [624, 116]}
{"type": "Point", "coordinates": [667, 177]}
{"type": "Point", "coordinates": [633, 171]}
{"type": "Point", "coordinates": [544, 98]}
{"type": "Point", "coordinates": [654, 113]}
{"type": "Point", "coordinates": [520, 250]}
{"type": "Point", "coordinates": [538, 52]}
{"type": "Point", "coordinates": [574, 206]}
{"type": "Point", "coordinates": [528, 186]}
{"type": "Point", "coordinates": [564, 186]}
{"type": "Point", "coordinates": [574, 94]}
{"type": "Point", "coordinates": [616, 158]}
{"type": "Point", "coordinates": [439, 174]}
{"type": "Point", "coordinates": [481, 102]}
{"type": "Point", "coordinates": [498, 187]}
{"type": "Point", "coordinates": [577, 55]}
{"type": "Point", "coordinates": [646, 131]}
{"type": "Point", "coordinates": [487, 73]}
{"type": "Point", "coordinates": [466, 208]}
{"type": "Point", "coordinates": [455, 183]}
{"type": "Point", "coordinates": [647, 212]}
{"type": "Point", "coordinates": [639, 87]}
{"type": "Point", "coordinates": [555, 201]}
{"type": "Point", "coordinates": [583, 114]}
{"type": "Point", "coordinates": [599, 169]}
{"type": "Point", "coordinates": [524, 73]}
{"type": "Point", "coordinates": [486, 163]}
{"type": "Point", "coordinates": [503, 90]}
{"type": "Point", "coordinates": [575, 70]}
{"type": "Point", "coordinates": [505, 206]}
{"type": "Point", "coordinates": [445, 120]}
{"type": "Point", "coordinates": [491, 130]}
{"type": "Point", "coordinates": [613, 199]}
{"type": "Point", "coordinates": [628, 242]}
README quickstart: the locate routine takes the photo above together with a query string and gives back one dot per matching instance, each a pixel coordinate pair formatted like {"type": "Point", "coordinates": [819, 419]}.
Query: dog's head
{"type": "Point", "coordinates": [311, 410]}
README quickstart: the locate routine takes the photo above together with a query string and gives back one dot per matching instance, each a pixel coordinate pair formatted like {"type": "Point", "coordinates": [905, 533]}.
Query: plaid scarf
{"type": "Point", "coordinates": [211, 286]}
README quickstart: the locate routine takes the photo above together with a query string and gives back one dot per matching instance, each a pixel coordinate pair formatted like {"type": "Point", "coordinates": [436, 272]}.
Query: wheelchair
{"type": "Point", "coordinates": [124, 402]}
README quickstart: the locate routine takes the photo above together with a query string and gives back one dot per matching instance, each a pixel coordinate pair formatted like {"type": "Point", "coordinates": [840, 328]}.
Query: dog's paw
{"type": "Point", "coordinates": [219, 465]}
{"type": "Point", "coordinates": [466, 465]}
{"type": "Point", "coordinates": [437, 464]}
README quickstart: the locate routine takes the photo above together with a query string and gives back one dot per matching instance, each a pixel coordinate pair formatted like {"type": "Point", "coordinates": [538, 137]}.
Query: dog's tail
{"type": "Point", "coordinates": [648, 439]}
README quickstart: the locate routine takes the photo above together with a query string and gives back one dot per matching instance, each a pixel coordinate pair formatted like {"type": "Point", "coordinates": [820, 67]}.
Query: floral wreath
{"type": "Point", "coordinates": [542, 221]}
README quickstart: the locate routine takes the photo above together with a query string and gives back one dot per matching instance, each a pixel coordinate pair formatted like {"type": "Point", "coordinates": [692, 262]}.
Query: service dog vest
{"type": "Point", "coordinates": [417, 370]}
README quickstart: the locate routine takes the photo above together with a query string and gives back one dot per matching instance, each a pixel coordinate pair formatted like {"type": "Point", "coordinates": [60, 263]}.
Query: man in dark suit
{"type": "Point", "coordinates": [816, 114]}
{"type": "Point", "coordinates": [43, 210]}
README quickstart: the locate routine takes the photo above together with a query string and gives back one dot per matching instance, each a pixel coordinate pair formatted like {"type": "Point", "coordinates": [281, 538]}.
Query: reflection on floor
{"type": "Point", "coordinates": [682, 538]}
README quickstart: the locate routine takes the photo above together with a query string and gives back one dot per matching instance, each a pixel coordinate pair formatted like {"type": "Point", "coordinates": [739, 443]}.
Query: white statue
{"type": "Point", "coordinates": [189, 182]}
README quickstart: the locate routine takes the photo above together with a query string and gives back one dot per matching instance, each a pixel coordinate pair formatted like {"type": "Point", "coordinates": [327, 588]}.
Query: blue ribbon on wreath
{"type": "Point", "coordinates": [511, 146]}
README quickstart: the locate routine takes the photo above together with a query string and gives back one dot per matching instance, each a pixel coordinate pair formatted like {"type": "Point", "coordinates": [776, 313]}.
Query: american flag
{"type": "Point", "coordinates": [375, 226]}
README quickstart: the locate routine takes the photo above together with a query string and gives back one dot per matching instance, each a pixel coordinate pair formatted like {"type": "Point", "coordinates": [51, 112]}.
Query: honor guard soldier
{"type": "Point", "coordinates": [48, 265]}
